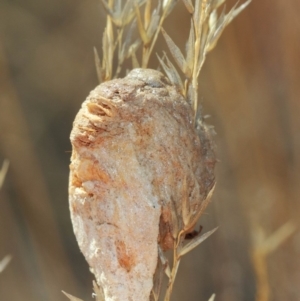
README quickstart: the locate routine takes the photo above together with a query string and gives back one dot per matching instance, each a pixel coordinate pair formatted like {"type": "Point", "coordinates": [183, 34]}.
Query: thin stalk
{"type": "Point", "coordinates": [146, 50]}
{"type": "Point", "coordinates": [261, 271]}
{"type": "Point", "coordinates": [120, 61]}
{"type": "Point", "coordinates": [198, 32]}
{"type": "Point", "coordinates": [176, 262]}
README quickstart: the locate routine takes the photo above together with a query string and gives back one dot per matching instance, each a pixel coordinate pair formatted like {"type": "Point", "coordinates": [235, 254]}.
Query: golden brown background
{"type": "Point", "coordinates": [250, 87]}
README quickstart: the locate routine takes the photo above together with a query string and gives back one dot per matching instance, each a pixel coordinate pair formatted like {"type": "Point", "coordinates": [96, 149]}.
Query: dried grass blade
{"type": "Point", "coordinates": [175, 76]}
{"type": "Point", "coordinates": [72, 298]}
{"type": "Point", "coordinates": [203, 48]}
{"type": "Point", "coordinates": [189, 6]}
{"type": "Point", "coordinates": [197, 14]}
{"type": "Point", "coordinates": [3, 172]}
{"type": "Point", "coordinates": [278, 237]}
{"type": "Point", "coordinates": [108, 9]}
{"type": "Point", "coordinates": [175, 51]}
{"type": "Point", "coordinates": [207, 8]}
{"type": "Point", "coordinates": [201, 209]}
{"type": "Point", "coordinates": [195, 242]}
{"type": "Point", "coordinates": [164, 261]}
{"type": "Point", "coordinates": [105, 51]}
{"type": "Point", "coordinates": [172, 73]}
{"type": "Point", "coordinates": [217, 3]}
{"type": "Point", "coordinates": [147, 13]}
{"type": "Point", "coordinates": [117, 6]}
{"type": "Point", "coordinates": [175, 220]}
{"type": "Point", "coordinates": [133, 47]}
{"type": "Point", "coordinates": [185, 205]}
{"type": "Point", "coordinates": [128, 7]}
{"type": "Point", "coordinates": [222, 22]}
{"type": "Point", "coordinates": [212, 298]}
{"type": "Point", "coordinates": [98, 70]}
{"type": "Point", "coordinates": [212, 22]}
{"type": "Point", "coordinates": [168, 5]}
{"type": "Point", "coordinates": [128, 40]}
{"type": "Point", "coordinates": [128, 11]}
{"type": "Point", "coordinates": [142, 30]}
{"type": "Point", "coordinates": [4, 262]}
{"type": "Point", "coordinates": [154, 22]}
{"type": "Point", "coordinates": [216, 32]}
{"type": "Point", "coordinates": [166, 68]}
{"type": "Point", "coordinates": [108, 49]}
{"type": "Point", "coordinates": [134, 60]}
{"type": "Point", "coordinates": [190, 50]}
{"type": "Point", "coordinates": [191, 94]}
{"type": "Point", "coordinates": [157, 281]}
{"type": "Point", "coordinates": [234, 12]}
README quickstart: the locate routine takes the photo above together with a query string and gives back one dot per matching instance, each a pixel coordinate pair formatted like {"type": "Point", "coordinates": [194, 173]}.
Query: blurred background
{"type": "Point", "coordinates": [250, 88]}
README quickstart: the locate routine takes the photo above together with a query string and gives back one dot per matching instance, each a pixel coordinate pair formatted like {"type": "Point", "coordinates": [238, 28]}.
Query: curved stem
{"type": "Point", "coordinates": [176, 262]}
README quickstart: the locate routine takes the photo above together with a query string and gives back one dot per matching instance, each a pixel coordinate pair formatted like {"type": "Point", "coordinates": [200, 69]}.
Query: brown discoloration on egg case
{"type": "Point", "coordinates": [125, 259]}
{"type": "Point", "coordinates": [134, 144]}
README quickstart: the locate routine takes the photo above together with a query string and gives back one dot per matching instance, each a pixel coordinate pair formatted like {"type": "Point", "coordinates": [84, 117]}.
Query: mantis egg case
{"type": "Point", "coordinates": [136, 156]}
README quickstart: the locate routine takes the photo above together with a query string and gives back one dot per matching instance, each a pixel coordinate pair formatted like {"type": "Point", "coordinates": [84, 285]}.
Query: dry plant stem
{"type": "Point", "coordinates": [120, 62]}
{"type": "Point", "coordinates": [212, 298]}
{"type": "Point", "coordinates": [181, 249]}
{"type": "Point", "coordinates": [147, 49]}
{"type": "Point", "coordinates": [261, 271]}
{"type": "Point", "coordinates": [98, 294]}
{"type": "Point", "coordinates": [3, 172]}
{"type": "Point", "coordinates": [176, 262]}
{"type": "Point", "coordinates": [198, 31]}
{"type": "Point", "coordinates": [206, 28]}
{"type": "Point", "coordinates": [4, 262]}
{"type": "Point", "coordinates": [121, 23]}
{"type": "Point", "coordinates": [111, 49]}
{"type": "Point", "coordinates": [262, 247]}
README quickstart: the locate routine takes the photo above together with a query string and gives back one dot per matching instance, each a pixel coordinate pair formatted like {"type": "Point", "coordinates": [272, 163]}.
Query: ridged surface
{"type": "Point", "coordinates": [134, 144]}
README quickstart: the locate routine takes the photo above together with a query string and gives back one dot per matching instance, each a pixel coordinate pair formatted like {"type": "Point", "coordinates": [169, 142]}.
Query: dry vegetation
{"type": "Point", "coordinates": [250, 88]}
{"type": "Point", "coordinates": [4, 261]}
{"type": "Point", "coordinates": [119, 43]}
